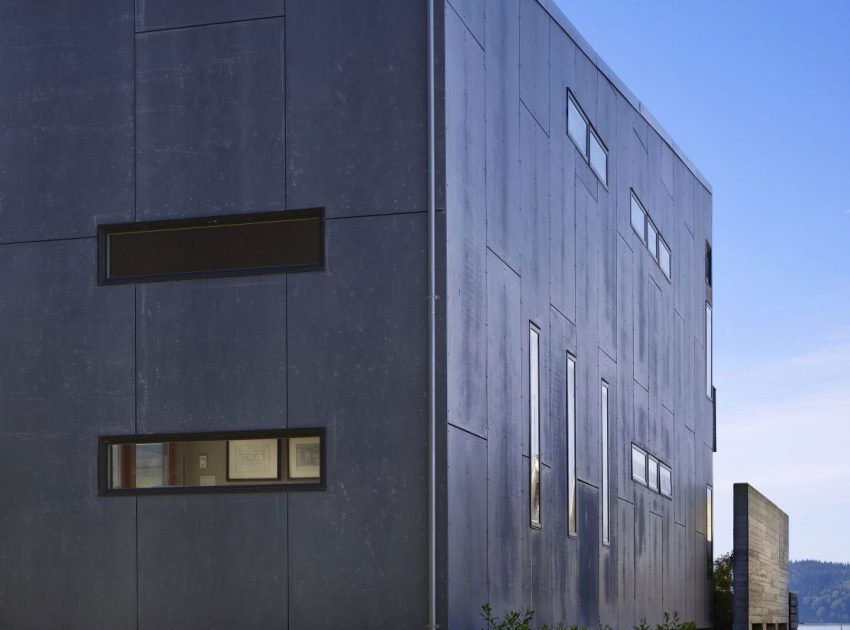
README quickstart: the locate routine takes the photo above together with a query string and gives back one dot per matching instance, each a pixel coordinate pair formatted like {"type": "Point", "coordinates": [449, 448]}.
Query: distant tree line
{"type": "Point", "coordinates": [824, 590]}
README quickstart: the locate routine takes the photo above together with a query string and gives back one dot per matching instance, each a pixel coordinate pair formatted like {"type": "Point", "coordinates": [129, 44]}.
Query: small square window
{"type": "Point", "coordinates": [664, 257]}
{"type": "Point", "coordinates": [652, 239]}
{"type": "Point", "coordinates": [577, 125]}
{"type": "Point", "coordinates": [598, 157]}
{"type": "Point", "coordinates": [652, 474]}
{"type": "Point", "coordinates": [638, 465]}
{"type": "Point", "coordinates": [638, 219]}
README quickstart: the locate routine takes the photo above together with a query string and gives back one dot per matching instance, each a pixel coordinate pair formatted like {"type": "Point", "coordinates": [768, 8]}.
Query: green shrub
{"type": "Point", "coordinates": [521, 620]}
{"type": "Point", "coordinates": [514, 620]}
{"type": "Point", "coordinates": [723, 585]}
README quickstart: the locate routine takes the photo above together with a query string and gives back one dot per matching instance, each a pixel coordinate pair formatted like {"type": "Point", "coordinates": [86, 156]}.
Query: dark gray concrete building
{"type": "Point", "coordinates": [332, 314]}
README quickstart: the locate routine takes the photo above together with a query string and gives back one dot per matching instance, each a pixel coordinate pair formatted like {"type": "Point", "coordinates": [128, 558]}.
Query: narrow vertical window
{"type": "Point", "coordinates": [666, 480]}
{"type": "Point", "coordinates": [709, 380]}
{"type": "Point", "coordinates": [664, 257]}
{"type": "Point", "coordinates": [638, 465]}
{"type": "Point", "coordinates": [652, 473]}
{"type": "Point", "coordinates": [598, 157]}
{"type": "Point", "coordinates": [571, 446]}
{"type": "Point", "coordinates": [708, 263]}
{"type": "Point", "coordinates": [576, 125]}
{"type": "Point", "coordinates": [638, 218]}
{"type": "Point", "coordinates": [709, 514]}
{"type": "Point", "coordinates": [534, 421]}
{"type": "Point", "coordinates": [652, 239]}
{"type": "Point", "coordinates": [605, 497]}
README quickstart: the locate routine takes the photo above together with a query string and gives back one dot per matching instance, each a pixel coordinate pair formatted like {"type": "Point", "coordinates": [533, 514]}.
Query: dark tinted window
{"type": "Point", "coordinates": [231, 245]}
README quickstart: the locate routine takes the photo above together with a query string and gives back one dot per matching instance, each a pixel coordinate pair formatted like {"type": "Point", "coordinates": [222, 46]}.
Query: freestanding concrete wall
{"type": "Point", "coordinates": [760, 562]}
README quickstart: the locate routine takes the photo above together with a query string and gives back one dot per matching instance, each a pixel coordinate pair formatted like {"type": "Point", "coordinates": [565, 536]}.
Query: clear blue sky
{"type": "Point", "coordinates": [757, 94]}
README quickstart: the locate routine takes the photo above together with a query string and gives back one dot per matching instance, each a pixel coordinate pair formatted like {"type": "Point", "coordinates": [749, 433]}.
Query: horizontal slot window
{"type": "Point", "coordinates": [212, 246]}
{"type": "Point", "coordinates": [240, 461]}
{"type": "Point", "coordinates": [648, 471]}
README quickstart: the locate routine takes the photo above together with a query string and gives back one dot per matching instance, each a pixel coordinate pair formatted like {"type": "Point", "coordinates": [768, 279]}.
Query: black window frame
{"type": "Point", "coordinates": [636, 199]}
{"type": "Point", "coordinates": [590, 129]}
{"type": "Point", "coordinates": [572, 99]}
{"type": "Point", "coordinates": [535, 429]}
{"type": "Point", "coordinates": [105, 231]}
{"type": "Point", "coordinates": [104, 442]}
{"type": "Point", "coordinates": [669, 469]}
{"type": "Point", "coordinates": [659, 237]}
{"type": "Point", "coordinates": [645, 481]}
{"type": "Point", "coordinates": [663, 244]}
{"type": "Point", "coordinates": [657, 480]}
{"type": "Point", "coordinates": [595, 133]}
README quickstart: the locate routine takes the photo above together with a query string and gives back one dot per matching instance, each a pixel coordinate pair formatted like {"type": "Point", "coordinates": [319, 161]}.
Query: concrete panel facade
{"type": "Point", "coordinates": [761, 561]}
{"type": "Point", "coordinates": [561, 254]}
{"type": "Point", "coordinates": [120, 111]}
{"type": "Point", "coordinates": [126, 111]}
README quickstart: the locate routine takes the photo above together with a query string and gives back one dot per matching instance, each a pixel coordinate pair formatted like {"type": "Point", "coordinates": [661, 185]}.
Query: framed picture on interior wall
{"type": "Point", "coordinates": [253, 460]}
{"type": "Point", "coordinates": [305, 457]}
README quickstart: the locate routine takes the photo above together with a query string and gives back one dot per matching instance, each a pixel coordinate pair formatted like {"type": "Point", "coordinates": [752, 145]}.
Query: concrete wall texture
{"type": "Point", "coordinates": [534, 236]}
{"type": "Point", "coordinates": [761, 561]}
{"type": "Point", "coordinates": [136, 110]}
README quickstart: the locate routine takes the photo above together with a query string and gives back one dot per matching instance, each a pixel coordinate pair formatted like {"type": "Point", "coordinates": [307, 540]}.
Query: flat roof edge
{"type": "Point", "coordinates": [572, 32]}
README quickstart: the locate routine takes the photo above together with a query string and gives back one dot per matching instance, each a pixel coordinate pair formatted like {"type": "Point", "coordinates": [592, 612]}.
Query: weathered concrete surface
{"type": "Point", "coordinates": [761, 560]}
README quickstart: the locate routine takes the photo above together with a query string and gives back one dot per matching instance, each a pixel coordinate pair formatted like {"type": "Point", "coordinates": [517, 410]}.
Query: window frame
{"type": "Point", "coordinates": [589, 129]}
{"type": "Point", "coordinates": [635, 199]}
{"type": "Point", "coordinates": [650, 459]}
{"type": "Point", "coordinates": [653, 252]}
{"type": "Point", "coordinates": [709, 513]}
{"type": "Point", "coordinates": [709, 351]}
{"type": "Point", "coordinates": [604, 412]}
{"type": "Point", "coordinates": [662, 245]}
{"type": "Point", "coordinates": [106, 232]}
{"type": "Point", "coordinates": [644, 481]}
{"type": "Point", "coordinates": [660, 241]}
{"type": "Point", "coordinates": [104, 442]}
{"type": "Point", "coordinates": [594, 134]}
{"type": "Point", "coordinates": [669, 469]}
{"type": "Point", "coordinates": [534, 420]}
{"type": "Point", "coordinates": [572, 469]}
{"type": "Point", "coordinates": [572, 99]}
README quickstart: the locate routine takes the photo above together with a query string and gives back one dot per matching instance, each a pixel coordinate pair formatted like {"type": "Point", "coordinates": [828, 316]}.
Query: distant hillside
{"type": "Point", "coordinates": [824, 590]}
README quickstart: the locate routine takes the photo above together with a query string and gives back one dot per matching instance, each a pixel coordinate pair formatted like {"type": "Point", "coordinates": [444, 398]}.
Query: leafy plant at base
{"type": "Point", "coordinates": [724, 591]}
{"type": "Point", "coordinates": [514, 620]}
